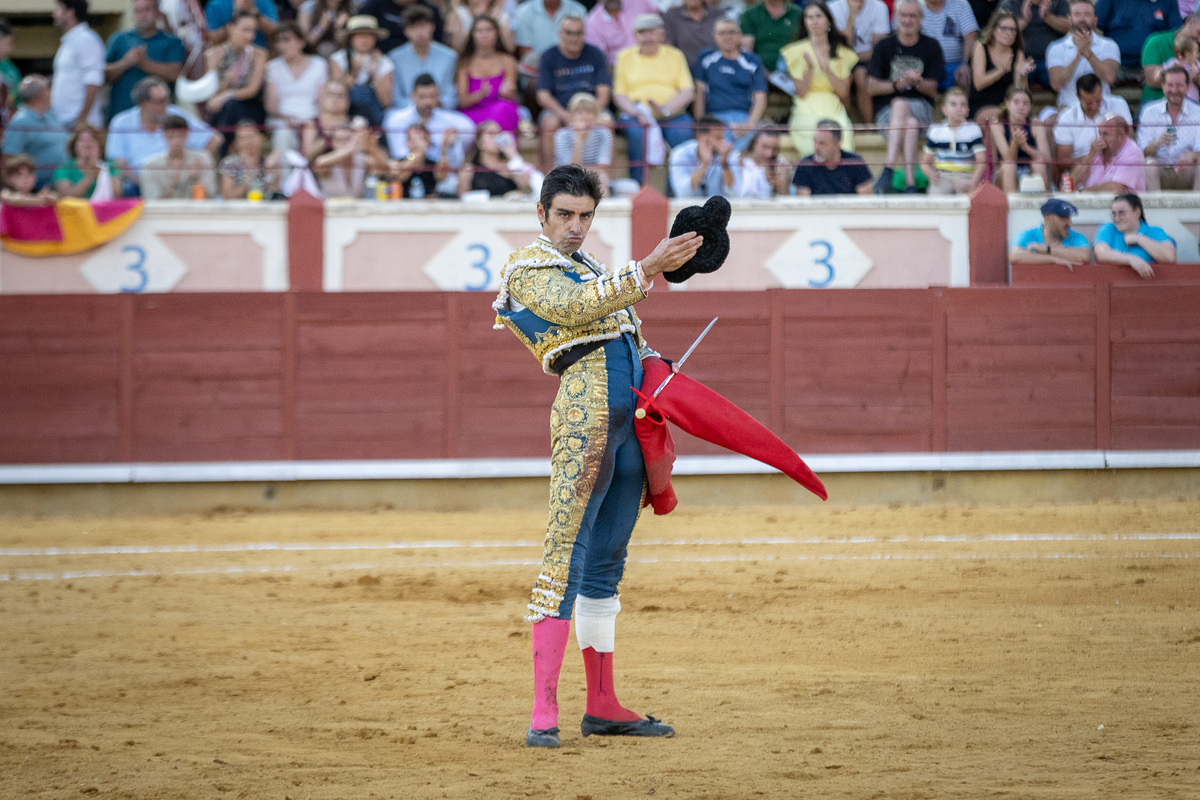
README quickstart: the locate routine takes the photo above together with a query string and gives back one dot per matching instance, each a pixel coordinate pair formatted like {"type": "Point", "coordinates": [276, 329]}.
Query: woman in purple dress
{"type": "Point", "coordinates": [487, 77]}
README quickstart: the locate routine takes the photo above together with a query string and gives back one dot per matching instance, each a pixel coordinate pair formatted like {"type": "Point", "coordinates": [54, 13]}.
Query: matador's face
{"type": "Point", "coordinates": [567, 222]}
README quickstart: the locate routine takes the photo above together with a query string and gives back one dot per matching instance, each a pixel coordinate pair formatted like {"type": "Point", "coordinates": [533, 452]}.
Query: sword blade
{"type": "Point", "coordinates": [679, 363]}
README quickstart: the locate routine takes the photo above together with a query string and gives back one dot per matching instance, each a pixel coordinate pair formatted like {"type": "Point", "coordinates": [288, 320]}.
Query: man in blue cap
{"type": "Point", "coordinates": [1052, 242]}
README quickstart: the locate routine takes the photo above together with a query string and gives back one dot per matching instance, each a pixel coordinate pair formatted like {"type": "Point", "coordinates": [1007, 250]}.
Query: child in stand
{"type": "Point", "coordinates": [955, 155]}
{"type": "Point", "coordinates": [1187, 55]}
{"type": "Point", "coordinates": [19, 180]}
{"type": "Point", "coordinates": [587, 141]}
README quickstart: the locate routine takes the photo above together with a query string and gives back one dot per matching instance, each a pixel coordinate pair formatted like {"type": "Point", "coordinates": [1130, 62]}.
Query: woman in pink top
{"type": "Point", "coordinates": [486, 78]}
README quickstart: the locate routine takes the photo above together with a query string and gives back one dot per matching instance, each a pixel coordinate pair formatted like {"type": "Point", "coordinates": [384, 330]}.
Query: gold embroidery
{"type": "Point", "coordinates": [579, 435]}
{"type": "Point", "coordinates": [597, 308]}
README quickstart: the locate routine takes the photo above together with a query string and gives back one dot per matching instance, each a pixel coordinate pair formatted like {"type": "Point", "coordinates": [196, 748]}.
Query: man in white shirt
{"type": "Point", "coordinates": [78, 66]}
{"type": "Point", "coordinates": [1079, 125]}
{"type": "Point", "coordinates": [706, 165]}
{"type": "Point", "coordinates": [863, 23]}
{"type": "Point", "coordinates": [1169, 135]}
{"type": "Point", "coordinates": [1081, 52]}
{"type": "Point", "coordinates": [447, 129]}
{"type": "Point", "coordinates": [136, 135]}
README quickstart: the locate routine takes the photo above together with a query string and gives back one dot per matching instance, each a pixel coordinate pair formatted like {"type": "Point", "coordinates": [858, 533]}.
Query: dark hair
{"type": "Point", "coordinates": [989, 30]}
{"type": "Point", "coordinates": [836, 37]}
{"type": "Point", "coordinates": [570, 179]}
{"type": "Point", "coordinates": [418, 13]}
{"type": "Point", "coordinates": [174, 122]}
{"type": "Point", "coordinates": [96, 133]}
{"type": "Point", "coordinates": [77, 7]}
{"type": "Point", "coordinates": [708, 122]}
{"type": "Point", "coordinates": [468, 49]}
{"type": "Point", "coordinates": [292, 27]}
{"type": "Point", "coordinates": [424, 79]}
{"type": "Point", "coordinates": [758, 134]}
{"type": "Point", "coordinates": [4, 29]}
{"type": "Point", "coordinates": [1087, 83]}
{"type": "Point", "coordinates": [239, 16]}
{"type": "Point", "coordinates": [1134, 202]}
{"type": "Point", "coordinates": [1177, 69]}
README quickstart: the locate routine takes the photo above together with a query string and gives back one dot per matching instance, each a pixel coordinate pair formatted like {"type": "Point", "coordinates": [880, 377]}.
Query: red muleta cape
{"type": "Point", "coordinates": [706, 415]}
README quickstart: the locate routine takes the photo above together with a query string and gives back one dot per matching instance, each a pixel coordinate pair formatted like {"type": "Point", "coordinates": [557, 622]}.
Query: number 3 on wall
{"type": "Point", "coordinates": [138, 268]}
{"type": "Point", "coordinates": [482, 266]}
{"type": "Point", "coordinates": [824, 262]}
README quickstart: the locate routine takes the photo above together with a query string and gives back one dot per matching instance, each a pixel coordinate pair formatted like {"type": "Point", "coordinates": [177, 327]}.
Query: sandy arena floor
{"type": "Point", "coordinates": [1050, 652]}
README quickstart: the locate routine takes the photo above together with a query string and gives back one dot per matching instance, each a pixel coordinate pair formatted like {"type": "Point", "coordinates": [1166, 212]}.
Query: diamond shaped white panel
{"type": "Point", "coordinates": [819, 258]}
{"type": "Point", "coordinates": [471, 261]}
{"type": "Point", "coordinates": [136, 262]}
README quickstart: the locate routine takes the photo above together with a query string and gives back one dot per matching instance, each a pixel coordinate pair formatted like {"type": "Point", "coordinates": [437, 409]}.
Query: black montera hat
{"type": "Point", "coordinates": [710, 221]}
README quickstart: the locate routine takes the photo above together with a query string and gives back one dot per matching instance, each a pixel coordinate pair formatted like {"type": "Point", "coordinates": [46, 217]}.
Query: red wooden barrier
{"type": "Point", "coordinates": [648, 221]}
{"type": "Point", "coordinates": [201, 377]}
{"type": "Point", "coordinates": [1090, 274]}
{"type": "Point", "coordinates": [987, 231]}
{"type": "Point", "coordinates": [306, 242]}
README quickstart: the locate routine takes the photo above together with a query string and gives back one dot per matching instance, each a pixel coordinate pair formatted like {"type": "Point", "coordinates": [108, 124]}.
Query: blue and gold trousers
{"type": "Point", "coordinates": [597, 480]}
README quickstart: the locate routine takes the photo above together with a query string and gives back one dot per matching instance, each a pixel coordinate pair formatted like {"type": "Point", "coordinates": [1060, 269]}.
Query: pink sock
{"type": "Point", "coordinates": [549, 645]}
{"type": "Point", "coordinates": [601, 696]}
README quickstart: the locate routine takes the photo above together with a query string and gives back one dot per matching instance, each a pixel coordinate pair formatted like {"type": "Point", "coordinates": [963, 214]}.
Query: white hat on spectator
{"type": "Point", "coordinates": [647, 22]}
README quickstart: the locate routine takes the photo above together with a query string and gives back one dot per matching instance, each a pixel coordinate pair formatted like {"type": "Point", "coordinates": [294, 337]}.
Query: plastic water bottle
{"type": "Point", "coordinates": [417, 190]}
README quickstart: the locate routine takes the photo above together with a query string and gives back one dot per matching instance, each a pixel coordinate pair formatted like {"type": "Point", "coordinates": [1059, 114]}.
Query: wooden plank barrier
{"type": "Point", "coordinates": [266, 376]}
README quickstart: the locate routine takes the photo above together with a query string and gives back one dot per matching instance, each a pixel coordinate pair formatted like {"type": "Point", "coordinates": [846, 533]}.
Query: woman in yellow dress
{"type": "Point", "coordinates": [820, 63]}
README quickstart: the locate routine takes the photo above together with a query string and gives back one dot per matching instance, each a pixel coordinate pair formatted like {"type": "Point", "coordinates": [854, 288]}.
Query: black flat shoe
{"type": "Point", "coordinates": [547, 737]}
{"type": "Point", "coordinates": [638, 727]}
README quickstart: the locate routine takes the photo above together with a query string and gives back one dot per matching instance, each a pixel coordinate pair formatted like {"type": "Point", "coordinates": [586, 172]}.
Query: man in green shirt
{"type": "Point", "coordinates": [1158, 50]}
{"type": "Point", "coordinates": [767, 26]}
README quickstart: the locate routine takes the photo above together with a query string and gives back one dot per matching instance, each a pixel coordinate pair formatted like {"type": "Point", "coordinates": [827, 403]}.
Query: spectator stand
{"type": "Point", "coordinates": [1175, 212]}
{"type": "Point", "coordinates": [35, 37]}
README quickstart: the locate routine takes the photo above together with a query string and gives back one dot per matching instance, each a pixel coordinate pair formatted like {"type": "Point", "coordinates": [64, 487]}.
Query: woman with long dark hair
{"type": "Point", "coordinates": [241, 68]}
{"type": "Point", "coordinates": [1020, 142]}
{"type": "Point", "coordinates": [1130, 241]}
{"type": "Point", "coordinates": [820, 63]}
{"type": "Point", "coordinates": [493, 164]}
{"type": "Point", "coordinates": [997, 62]}
{"type": "Point", "coordinates": [486, 77]}
{"type": "Point", "coordinates": [461, 15]}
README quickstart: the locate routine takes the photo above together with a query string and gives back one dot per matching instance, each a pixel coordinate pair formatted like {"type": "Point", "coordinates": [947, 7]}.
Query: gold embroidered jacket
{"type": "Point", "coordinates": [553, 303]}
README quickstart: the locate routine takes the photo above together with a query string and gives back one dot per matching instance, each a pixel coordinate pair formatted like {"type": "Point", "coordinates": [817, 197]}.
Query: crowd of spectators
{"type": "Point", "coordinates": [420, 98]}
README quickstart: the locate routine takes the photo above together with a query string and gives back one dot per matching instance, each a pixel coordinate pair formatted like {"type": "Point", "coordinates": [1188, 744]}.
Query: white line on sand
{"type": "Point", "coordinates": [528, 562]}
{"type": "Point", "coordinates": [433, 544]}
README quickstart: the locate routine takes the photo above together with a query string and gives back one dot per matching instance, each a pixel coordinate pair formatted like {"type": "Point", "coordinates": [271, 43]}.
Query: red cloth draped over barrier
{"type": "Point", "coordinates": [68, 226]}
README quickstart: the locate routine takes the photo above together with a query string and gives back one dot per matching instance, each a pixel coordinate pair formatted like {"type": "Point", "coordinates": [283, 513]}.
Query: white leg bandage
{"type": "Point", "coordinates": [596, 622]}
